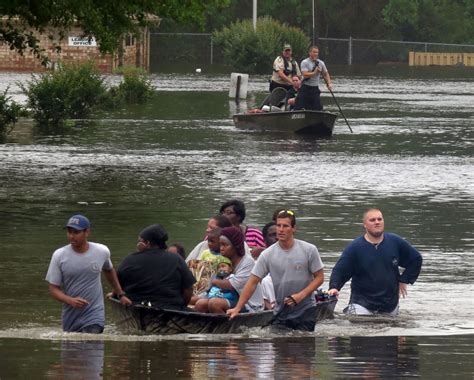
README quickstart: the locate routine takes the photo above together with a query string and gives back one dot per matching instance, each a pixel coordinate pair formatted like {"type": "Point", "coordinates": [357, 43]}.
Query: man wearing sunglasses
{"type": "Point", "coordinates": [296, 270]}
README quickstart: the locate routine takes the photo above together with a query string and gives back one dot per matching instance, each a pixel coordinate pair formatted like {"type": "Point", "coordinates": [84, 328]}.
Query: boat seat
{"type": "Point", "coordinates": [276, 98]}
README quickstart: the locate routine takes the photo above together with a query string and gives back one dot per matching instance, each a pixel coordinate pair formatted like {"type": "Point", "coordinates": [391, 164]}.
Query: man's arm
{"type": "Point", "coordinates": [342, 272]}
{"type": "Point", "coordinates": [284, 77]}
{"type": "Point", "coordinates": [327, 79]}
{"type": "Point", "coordinates": [318, 279]}
{"type": "Point", "coordinates": [59, 295]}
{"type": "Point", "coordinates": [245, 295]}
{"type": "Point", "coordinates": [112, 278]}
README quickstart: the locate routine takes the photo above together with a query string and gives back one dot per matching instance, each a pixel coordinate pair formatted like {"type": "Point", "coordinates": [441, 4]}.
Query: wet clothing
{"type": "Point", "coordinates": [157, 276]}
{"type": "Point", "coordinates": [291, 270]}
{"type": "Point", "coordinates": [374, 269]}
{"type": "Point", "coordinates": [309, 96]}
{"type": "Point", "coordinates": [305, 322]}
{"type": "Point", "coordinates": [79, 275]}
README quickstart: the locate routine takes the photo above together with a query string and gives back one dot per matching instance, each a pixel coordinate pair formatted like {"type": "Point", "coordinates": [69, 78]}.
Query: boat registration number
{"type": "Point", "coordinates": [298, 116]}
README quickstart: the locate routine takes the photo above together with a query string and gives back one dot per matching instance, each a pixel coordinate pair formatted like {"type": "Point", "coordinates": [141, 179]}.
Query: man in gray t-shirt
{"type": "Point", "coordinates": [312, 69]}
{"type": "Point", "coordinates": [74, 279]}
{"type": "Point", "coordinates": [296, 270]}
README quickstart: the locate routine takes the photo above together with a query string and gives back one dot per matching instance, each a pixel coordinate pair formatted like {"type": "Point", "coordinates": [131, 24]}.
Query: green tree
{"type": "Point", "coordinates": [106, 20]}
{"type": "Point", "coordinates": [431, 20]}
{"type": "Point", "coordinates": [251, 51]}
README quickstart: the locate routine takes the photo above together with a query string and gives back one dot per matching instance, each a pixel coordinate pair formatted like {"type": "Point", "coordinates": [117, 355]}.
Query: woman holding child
{"type": "Point", "coordinates": [232, 246]}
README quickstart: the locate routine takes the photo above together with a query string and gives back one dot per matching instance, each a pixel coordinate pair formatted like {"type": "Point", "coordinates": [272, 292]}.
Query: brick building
{"type": "Point", "coordinates": [134, 52]}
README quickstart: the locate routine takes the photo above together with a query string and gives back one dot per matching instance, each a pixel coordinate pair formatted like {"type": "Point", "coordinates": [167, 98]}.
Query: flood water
{"type": "Point", "coordinates": [176, 159]}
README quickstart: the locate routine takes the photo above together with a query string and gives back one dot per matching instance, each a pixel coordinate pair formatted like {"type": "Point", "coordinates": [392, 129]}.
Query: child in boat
{"type": "Point", "coordinates": [206, 266]}
{"type": "Point", "coordinates": [213, 254]}
{"type": "Point", "coordinates": [224, 272]}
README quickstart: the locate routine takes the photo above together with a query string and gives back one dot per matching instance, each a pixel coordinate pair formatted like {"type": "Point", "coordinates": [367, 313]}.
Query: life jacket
{"type": "Point", "coordinates": [287, 70]}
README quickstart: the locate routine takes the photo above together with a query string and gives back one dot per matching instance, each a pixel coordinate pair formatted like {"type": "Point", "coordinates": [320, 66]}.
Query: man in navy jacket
{"type": "Point", "coordinates": [373, 261]}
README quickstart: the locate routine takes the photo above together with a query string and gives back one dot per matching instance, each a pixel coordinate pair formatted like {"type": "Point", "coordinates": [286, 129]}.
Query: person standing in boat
{"type": "Point", "coordinates": [297, 271]}
{"type": "Point", "coordinates": [284, 67]}
{"type": "Point", "coordinates": [154, 275]}
{"type": "Point", "coordinates": [309, 96]}
{"type": "Point", "coordinates": [373, 261]}
{"type": "Point", "coordinates": [74, 279]}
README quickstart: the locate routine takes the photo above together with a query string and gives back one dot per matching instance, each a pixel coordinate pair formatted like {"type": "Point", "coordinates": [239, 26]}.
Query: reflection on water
{"type": "Point", "coordinates": [286, 358]}
{"type": "Point", "coordinates": [78, 360]}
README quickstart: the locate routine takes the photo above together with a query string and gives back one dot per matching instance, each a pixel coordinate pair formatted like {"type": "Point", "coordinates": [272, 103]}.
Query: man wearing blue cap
{"type": "Point", "coordinates": [74, 279]}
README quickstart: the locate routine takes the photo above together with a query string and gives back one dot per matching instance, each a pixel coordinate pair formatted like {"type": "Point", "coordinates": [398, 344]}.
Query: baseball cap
{"type": "Point", "coordinates": [286, 47]}
{"type": "Point", "coordinates": [78, 222]}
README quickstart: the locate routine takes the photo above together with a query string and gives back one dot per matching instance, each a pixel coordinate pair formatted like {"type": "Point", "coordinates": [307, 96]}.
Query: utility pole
{"type": "Point", "coordinates": [254, 15]}
{"type": "Point", "coordinates": [314, 37]}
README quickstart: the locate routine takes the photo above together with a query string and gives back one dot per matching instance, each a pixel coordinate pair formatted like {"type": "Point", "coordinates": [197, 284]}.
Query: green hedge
{"type": "Point", "coordinates": [252, 51]}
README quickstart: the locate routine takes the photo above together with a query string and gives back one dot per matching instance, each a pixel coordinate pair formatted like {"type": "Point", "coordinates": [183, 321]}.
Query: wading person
{"type": "Point", "coordinates": [309, 94]}
{"type": "Point", "coordinates": [284, 67]}
{"type": "Point", "coordinates": [296, 270]}
{"type": "Point", "coordinates": [373, 262]}
{"type": "Point", "coordinates": [74, 279]}
{"type": "Point", "coordinates": [152, 274]}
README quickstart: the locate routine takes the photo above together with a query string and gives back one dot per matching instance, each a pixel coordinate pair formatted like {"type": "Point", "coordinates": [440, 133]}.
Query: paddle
{"type": "Point", "coordinates": [338, 106]}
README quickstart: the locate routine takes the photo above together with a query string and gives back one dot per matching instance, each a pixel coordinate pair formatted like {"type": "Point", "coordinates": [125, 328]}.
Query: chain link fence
{"type": "Point", "coordinates": [198, 49]}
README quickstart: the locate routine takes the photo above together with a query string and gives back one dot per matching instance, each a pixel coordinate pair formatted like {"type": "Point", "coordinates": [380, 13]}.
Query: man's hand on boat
{"type": "Point", "coordinates": [333, 292]}
{"type": "Point", "coordinates": [124, 300]}
{"type": "Point", "coordinates": [293, 300]}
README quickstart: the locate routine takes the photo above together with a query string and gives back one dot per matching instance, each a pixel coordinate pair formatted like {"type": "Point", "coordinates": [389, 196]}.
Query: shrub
{"type": "Point", "coordinates": [135, 88]}
{"type": "Point", "coordinates": [71, 92]}
{"type": "Point", "coordinates": [254, 52]}
{"type": "Point", "coordinates": [10, 112]}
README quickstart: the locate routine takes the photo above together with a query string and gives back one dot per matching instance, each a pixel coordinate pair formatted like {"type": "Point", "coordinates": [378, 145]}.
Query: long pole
{"type": "Point", "coordinates": [338, 106]}
{"type": "Point", "coordinates": [313, 23]}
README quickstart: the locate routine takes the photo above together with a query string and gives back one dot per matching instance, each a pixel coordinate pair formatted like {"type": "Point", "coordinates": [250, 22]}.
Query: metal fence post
{"type": "Point", "coordinates": [212, 49]}
{"type": "Point", "coordinates": [350, 51]}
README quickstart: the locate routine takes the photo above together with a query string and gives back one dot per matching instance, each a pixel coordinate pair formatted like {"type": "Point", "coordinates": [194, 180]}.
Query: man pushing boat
{"type": "Point", "coordinates": [297, 271]}
{"type": "Point", "coordinates": [372, 261]}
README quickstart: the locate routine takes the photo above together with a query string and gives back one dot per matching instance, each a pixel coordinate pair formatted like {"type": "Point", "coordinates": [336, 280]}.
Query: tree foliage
{"type": "Point", "coordinates": [250, 51]}
{"type": "Point", "coordinates": [106, 20]}
{"type": "Point", "coordinates": [431, 20]}
{"type": "Point", "coordinates": [411, 20]}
